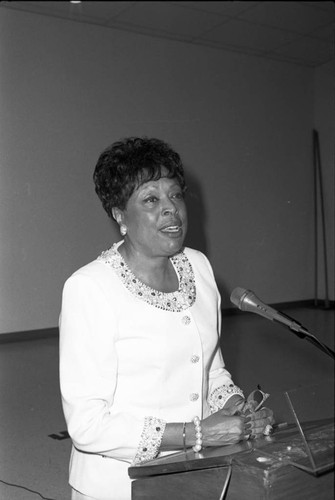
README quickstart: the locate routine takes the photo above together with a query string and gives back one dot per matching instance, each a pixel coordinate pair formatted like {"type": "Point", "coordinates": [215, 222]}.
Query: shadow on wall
{"type": "Point", "coordinates": [196, 235]}
{"type": "Point", "coordinates": [197, 223]}
{"type": "Point", "coordinates": [225, 293]}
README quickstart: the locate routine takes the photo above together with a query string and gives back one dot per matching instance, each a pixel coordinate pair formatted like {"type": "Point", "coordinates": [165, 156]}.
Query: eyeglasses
{"type": "Point", "coordinates": [256, 399]}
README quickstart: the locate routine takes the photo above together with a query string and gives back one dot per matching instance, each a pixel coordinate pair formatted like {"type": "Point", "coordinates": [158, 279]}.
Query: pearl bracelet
{"type": "Point", "coordinates": [198, 435]}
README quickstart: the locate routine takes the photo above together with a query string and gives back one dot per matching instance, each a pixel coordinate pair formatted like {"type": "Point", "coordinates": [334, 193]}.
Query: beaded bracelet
{"type": "Point", "coordinates": [198, 434]}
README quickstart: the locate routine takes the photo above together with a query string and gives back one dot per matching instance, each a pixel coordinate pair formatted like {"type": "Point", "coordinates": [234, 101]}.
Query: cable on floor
{"type": "Point", "coordinates": [27, 489]}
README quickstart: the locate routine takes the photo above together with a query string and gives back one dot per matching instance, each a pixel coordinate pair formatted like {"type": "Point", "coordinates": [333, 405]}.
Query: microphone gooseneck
{"type": "Point", "coordinates": [246, 300]}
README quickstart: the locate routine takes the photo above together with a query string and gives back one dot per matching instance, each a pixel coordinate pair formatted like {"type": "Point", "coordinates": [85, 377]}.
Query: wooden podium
{"type": "Point", "coordinates": [287, 465]}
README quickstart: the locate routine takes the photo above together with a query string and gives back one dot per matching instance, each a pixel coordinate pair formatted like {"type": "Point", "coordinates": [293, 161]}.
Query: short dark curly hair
{"type": "Point", "coordinates": [127, 164]}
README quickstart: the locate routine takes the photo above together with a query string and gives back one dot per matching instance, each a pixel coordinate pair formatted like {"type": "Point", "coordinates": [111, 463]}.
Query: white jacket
{"type": "Point", "coordinates": [128, 366]}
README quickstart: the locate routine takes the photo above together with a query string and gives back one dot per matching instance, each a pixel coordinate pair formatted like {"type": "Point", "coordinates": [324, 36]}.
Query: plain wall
{"type": "Point", "coordinates": [324, 122]}
{"type": "Point", "coordinates": [242, 124]}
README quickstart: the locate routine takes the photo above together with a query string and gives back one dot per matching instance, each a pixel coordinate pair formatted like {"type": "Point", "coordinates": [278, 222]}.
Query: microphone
{"type": "Point", "coordinates": [246, 300]}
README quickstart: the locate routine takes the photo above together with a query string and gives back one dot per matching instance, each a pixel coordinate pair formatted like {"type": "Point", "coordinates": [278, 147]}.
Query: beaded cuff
{"type": "Point", "coordinates": [218, 398]}
{"type": "Point", "coordinates": [150, 441]}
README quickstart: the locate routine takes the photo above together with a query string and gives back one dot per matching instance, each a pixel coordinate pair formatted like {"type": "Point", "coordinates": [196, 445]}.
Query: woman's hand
{"type": "Point", "coordinates": [231, 424]}
{"type": "Point", "coordinates": [235, 404]}
{"type": "Point", "coordinates": [223, 428]}
{"type": "Point", "coordinates": [255, 422]}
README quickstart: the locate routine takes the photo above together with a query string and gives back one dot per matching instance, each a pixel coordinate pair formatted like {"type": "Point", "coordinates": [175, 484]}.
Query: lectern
{"type": "Point", "coordinates": [295, 463]}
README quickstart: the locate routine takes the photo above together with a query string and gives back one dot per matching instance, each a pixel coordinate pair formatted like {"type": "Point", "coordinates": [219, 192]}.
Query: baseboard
{"type": "Point", "coordinates": [53, 332]}
{"type": "Point", "coordinates": [29, 335]}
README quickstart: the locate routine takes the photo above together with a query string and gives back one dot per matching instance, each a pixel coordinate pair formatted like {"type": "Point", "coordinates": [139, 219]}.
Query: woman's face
{"type": "Point", "coordinates": [156, 218]}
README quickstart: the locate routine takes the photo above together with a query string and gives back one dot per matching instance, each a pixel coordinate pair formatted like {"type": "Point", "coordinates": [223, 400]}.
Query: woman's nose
{"type": "Point", "coordinates": [169, 207]}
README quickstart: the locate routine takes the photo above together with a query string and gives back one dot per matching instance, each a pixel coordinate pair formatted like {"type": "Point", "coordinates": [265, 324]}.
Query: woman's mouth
{"type": "Point", "coordinates": [171, 229]}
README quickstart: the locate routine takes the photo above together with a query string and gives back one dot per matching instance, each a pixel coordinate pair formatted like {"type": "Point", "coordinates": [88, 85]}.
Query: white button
{"type": "Point", "coordinates": [195, 358]}
{"type": "Point", "coordinates": [186, 320]}
{"type": "Point", "coordinates": [194, 396]}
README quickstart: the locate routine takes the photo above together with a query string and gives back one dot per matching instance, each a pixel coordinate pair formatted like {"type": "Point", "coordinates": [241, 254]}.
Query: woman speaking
{"type": "Point", "coordinates": [141, 370]}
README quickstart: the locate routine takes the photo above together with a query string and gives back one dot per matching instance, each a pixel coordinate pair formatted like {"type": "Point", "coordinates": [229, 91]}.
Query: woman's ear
{"type": "Point", "coordinates": [117, 215]}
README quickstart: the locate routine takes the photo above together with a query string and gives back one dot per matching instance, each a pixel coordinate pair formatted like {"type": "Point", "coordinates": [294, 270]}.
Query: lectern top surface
{"type": "Point", "coordinates": [268, 453]}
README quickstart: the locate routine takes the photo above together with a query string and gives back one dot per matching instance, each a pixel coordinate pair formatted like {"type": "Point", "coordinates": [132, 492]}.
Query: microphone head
{"type": "Point", "coordinates": [238, 295]}
{"type": "Point", "coordinates": [247, 300]}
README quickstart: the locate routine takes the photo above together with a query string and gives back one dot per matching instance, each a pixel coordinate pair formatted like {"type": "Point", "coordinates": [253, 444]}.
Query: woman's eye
{"type": "Point", "coordinates": [150, 199]}
{"type": "Point", "coordinates": [178, 196]}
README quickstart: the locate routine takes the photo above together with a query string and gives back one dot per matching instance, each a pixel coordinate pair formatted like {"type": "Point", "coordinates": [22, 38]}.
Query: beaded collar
{"type": "Point", "coordinates": [176, 301]}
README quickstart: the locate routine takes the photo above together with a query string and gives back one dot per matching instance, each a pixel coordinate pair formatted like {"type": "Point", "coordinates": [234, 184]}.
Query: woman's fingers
{"type": "Point", "coordinates": [255, 423]}
{"type": "Point", "coordinates": [261, 414]}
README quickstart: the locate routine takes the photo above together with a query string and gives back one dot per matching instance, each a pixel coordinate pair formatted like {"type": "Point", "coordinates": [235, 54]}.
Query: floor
{"type": "Point", "coordinates": [34, 451]}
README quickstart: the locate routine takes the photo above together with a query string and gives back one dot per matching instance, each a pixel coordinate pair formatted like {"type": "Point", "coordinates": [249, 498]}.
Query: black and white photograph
{"type": "Point", "coordinates": [167, 244]}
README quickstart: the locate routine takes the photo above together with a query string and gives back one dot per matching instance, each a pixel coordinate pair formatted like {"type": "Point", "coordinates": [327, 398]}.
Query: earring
{"type": "Point", "coordinates": [123, 229]}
